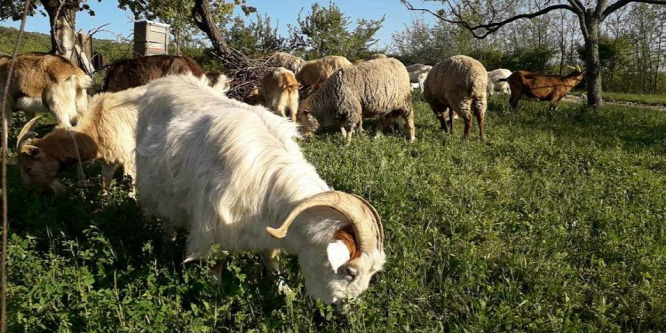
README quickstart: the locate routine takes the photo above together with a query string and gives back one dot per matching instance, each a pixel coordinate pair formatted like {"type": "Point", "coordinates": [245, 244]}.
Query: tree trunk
{"type": "Point", "coordinates": [62, 19]}
{"type": "Point", "coordinates": [592, 64]}
{"type": "Point", "coordinates": [205, 21]}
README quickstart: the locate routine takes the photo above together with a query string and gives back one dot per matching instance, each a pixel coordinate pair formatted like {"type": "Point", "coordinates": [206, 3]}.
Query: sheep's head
{"type": "Point", "coordinates": [38, 169]}
{"type": "Point", "coordinates": [304, 117]}
{"type": "Point", "coordinates": [344, 250]}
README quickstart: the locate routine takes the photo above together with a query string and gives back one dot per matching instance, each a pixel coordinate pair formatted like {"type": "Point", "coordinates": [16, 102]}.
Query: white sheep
{"type": "Point", "coordinates": [44, 82]}
{"type": "Point", "coordinates": [494, 83]}
{"type": "Point", "coordinates": [106, 133]}
{"type": "Point", "coordinates": [199, 166]}
{"type": "Point", "coordinates": [457, 84]}
{"type": "Point", "coordinates": [418, 74]}
{"type": "Point", "coordinates": [378, 88]}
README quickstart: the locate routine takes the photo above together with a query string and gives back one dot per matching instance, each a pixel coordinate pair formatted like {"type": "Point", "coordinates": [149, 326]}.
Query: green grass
{"type": "Point", "coordinates": [555, 223]}
{"type": "Point", "coordinates": [649, 99]}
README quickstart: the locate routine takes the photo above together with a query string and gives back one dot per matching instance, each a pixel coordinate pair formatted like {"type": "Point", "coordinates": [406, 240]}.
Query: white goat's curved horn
{"type": "Point", "coordinates": [26, 133]}
{"type": "Point", "coordinates": [363, 217]}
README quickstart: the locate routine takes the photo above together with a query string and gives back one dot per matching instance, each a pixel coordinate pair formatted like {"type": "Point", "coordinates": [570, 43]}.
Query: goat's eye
{"type": "Point", "coordinates": [351, 273]}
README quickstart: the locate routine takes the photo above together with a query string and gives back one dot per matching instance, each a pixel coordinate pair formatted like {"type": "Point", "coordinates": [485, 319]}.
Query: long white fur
{"type": "Point", "coordinates": [228, 170]}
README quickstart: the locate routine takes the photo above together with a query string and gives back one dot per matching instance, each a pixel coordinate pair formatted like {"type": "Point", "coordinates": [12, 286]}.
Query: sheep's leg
{"type": "Point", "coordinates": [409, 126]}
{"type": "Point", "coordinates": [273, 269]}
{"type": "Point", "coordinates": [468, 124]}
{"type": "Point", "coordinates": [451, 120]}
{"type": "Point", "coordinates": [107, 176]}
{"type": "Point", "coordinates": [360, 125]}
{"type": "Point", "coordinates": [382, 123]}
{"type": "Point", "coordinates": [343, 131]}
{"type": "Point", "coordinates": [480, 121]}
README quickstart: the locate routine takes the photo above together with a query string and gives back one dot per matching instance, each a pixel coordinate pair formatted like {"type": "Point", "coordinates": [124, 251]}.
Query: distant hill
{"type": "Point", "coordinates": [39, 42]}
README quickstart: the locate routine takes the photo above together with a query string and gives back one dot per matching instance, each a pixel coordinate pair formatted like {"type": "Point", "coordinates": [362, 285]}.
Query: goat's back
{"type": "Point", "coordinates": [129, 73]}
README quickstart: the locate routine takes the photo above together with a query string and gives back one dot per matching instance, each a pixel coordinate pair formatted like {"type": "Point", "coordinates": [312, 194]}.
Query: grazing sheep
{"type": "Point", "coordinates": [106, 133]}
{"type": "Point", "coordinates": [279, 89]}
{"type": "Point", "coordinates": [494, 83]}
{"type": "Point", "coordinates": [418, 74]}
{"type": "Point", "coordinates": [129, 73]}
{"type": "Point", "coordinates": [458, 84]}
{"type": "Point", "coordinates": [542, 87]}
{"type": "Point", "coordinates": [286, 60]}
{"type": "Point", "coordinates": [319, 70]}
{"type": "Point", "coordinates": [44, 82]}
{"type": "Point", "coordinates": [378, 88]}
{"type": "Point", "coordinates": [199, 166]}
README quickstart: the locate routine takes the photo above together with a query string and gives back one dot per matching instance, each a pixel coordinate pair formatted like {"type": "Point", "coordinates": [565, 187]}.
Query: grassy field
{"type": "Point", "coordinates": [555, 223]}
{"type": "Point", "coordinates": [649, 99]}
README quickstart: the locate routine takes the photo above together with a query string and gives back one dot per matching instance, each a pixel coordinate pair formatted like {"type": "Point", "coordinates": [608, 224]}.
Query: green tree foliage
{"type": "Point", "coordinates": [256, 37]}
{"type": "Point", "coordinates": [327, 31]}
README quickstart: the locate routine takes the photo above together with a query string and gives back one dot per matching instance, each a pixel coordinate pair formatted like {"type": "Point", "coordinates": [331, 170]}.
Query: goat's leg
{"type": "Point", "coordinates": [107, 176]}
{"type": "Point", "coordinates": [513, 100]}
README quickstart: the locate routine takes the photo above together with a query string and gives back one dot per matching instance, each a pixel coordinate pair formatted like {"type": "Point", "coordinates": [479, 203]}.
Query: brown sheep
{"type": "Point", "coordinates": [541, 87]}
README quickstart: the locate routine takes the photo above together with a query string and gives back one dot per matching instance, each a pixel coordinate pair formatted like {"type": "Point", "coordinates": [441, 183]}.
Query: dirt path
{"type": "Point", "coordinates": [579, 99]}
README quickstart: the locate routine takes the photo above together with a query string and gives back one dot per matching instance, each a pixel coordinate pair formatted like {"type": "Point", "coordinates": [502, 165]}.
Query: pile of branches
{"type": "Point", "coordinates": [248, 77]}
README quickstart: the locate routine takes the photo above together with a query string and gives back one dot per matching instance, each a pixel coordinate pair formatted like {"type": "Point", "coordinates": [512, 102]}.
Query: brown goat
{"type": "Point", "coordinates": [106, 132]}
{"type": "Point", "coordinates": [130, 73]}
{"type": "Point", "coordinates": [541, 87]}
{"type": "Point", "coordinates": [280, 91]}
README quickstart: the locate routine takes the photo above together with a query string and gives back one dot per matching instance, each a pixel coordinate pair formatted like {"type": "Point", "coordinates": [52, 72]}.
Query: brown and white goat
{"type": "Point", "coordinates": [130, 73]}
{"type": "Point", "coordinates": [107, 133]}
{"type": "Point", "coordinates": [541, 87]}
{"type": "Point", "coordinates": [45, 82]}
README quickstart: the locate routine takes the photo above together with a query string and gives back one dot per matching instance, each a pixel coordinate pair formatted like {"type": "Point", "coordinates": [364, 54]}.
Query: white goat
{"type": "Point", "coordinates": [199, 166]}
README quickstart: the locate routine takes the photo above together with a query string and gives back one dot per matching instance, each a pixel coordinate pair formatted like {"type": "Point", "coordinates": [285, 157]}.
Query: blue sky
{"type": "Point", "coordinates": [281, 11]}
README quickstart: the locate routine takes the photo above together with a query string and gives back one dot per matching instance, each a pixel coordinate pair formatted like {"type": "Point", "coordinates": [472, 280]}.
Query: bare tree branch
{"type": "Point", "coordinates": [481, 31]}
{"type": "Point", "coordinates": [5, 134]}
{"type": "Point", "coordinates": [612, 8]}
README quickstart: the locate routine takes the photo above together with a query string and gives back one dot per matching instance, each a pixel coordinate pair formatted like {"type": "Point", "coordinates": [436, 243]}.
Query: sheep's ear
{"type": "Point", "coordinates": [338, 254]}
{"type": "Point", "coordinates": [29, 150]}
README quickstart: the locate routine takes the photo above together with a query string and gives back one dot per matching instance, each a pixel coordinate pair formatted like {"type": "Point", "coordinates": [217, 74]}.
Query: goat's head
{"type": "Point", "coordinates": [38, 169]}
{"type": "Point", "coordinates": [576, 74]}
{"type": "Point", "coordinates": [304, 117]}
{"type": "Point", "coordinates": [344, 251]}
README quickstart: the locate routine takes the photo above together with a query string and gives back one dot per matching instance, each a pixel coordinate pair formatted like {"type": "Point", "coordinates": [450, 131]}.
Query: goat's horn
{"type": "Point", "coordinates": [364, 218]}
{"type": "Point", "coordinates": [26, 133]}
{"type": "Point", "coordinates": [578, 68]}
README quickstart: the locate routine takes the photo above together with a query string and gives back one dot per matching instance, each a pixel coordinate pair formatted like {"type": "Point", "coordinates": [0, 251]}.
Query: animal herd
{"type": "Point", "coordinates": [232, 173]}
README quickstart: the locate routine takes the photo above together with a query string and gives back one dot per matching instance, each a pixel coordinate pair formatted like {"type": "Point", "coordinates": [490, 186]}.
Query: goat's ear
{"type": "Point", "coordinates": [29, 150]}
{"type": "Point", "coordinates": [338, 254]}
